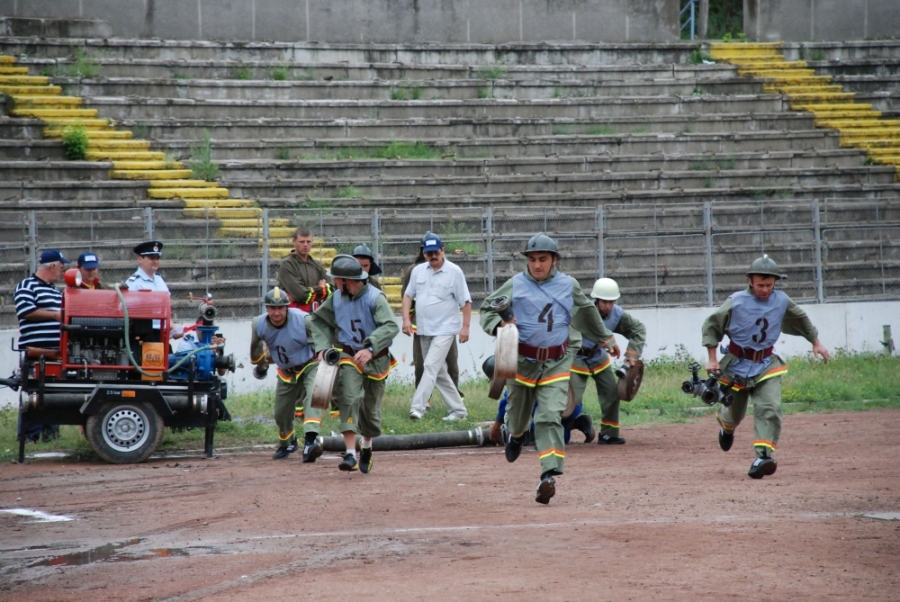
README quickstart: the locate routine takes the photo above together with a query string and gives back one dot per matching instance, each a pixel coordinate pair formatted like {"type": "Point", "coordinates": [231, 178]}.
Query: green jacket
{"type": "Point", "coordinates": [298, 277]}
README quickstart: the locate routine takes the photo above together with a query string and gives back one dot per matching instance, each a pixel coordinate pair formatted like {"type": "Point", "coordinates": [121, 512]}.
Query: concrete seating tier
{"type": "Point", "coordinates": [447, 89]}
{"type": "Point", "coordinates": [564, 183]}
{"type": "Point", "coordinates": [463, 127]}
{"type": "Point", "coordinates": [184, 69]}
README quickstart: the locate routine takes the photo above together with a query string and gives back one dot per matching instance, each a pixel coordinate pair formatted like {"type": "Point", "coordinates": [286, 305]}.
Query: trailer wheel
{"type": "Point", "coordinates": [124, 433]}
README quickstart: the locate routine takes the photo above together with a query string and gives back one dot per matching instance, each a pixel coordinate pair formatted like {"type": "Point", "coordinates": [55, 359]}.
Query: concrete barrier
{"type": "Point", "coordinates": [775, 20]}
{"type": "Point", "coordinates": [360, 21]}
{"type": "Point", "coordinates": [855, 327]}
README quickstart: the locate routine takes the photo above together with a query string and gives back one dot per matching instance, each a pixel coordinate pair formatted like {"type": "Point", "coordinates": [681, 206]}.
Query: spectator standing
{"type": "Point", "coordinates": [303, 277]}
{"type": "Point", "coordinates": [89, 266]}
{"type": "Point", "coordinates": [146, 278]}
{"type": "Point", "coordinates": [439, 287]}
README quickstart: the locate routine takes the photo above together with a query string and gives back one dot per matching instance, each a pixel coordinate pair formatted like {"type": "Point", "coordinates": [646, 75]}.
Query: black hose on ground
{"type": "Point", "coordinates": [473, 437]}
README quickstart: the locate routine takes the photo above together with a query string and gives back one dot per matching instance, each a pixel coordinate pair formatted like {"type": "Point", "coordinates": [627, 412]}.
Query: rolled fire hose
{"type": "Point", "coordinates": [506, 352]}
{"type": "Point", "coordinates": [326, 374]}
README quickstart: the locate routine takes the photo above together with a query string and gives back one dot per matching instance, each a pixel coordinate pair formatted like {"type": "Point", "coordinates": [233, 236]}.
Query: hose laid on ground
{"type": "Point", "coordinates": [474, 437]}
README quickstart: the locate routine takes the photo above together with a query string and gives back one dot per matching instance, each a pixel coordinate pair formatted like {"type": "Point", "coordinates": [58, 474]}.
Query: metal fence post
{"type": "Point", "coordinates": [707, 236]}
{"type": "Point", "coordinates": [489, 246]}
{"type": "Point", "coordinates": [32, 240]}
{"type": "Point", "coordinates": [264, 268]}
{"type": "Point", "coordinates": [148, 223]}
{"type": "Point", "coordinates": [376, 249]}
{"type": "Point", "coordinates": [601, 244]}
{"type": "Point", "coordinates": [817, 233]}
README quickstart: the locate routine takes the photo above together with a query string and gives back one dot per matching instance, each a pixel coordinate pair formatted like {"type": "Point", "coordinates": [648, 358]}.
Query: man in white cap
{"type": "Point", "coordinates": [440, 290]}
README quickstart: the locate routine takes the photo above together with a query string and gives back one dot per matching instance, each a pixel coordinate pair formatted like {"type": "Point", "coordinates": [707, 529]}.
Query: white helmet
{"type": "Point", "coordinates": [606, 289]}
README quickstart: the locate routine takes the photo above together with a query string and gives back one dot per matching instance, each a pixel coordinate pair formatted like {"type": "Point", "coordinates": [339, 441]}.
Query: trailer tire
{"type": "Point", "coordinates": [124, 433]}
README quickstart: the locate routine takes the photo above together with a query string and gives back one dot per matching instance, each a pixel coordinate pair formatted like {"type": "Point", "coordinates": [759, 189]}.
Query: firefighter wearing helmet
{"type": "Point", "coordinates": [544, 303]}
{"type": "Point", "coordinates": [360, 319]}
{"type": "Point", "coordinates": [366, 259]}
{"type": "Point", "coordinates": [281, 336]}
{"type": "Point", "coordinates": [754, 319]}
{"type": "Point", "coordinates": [592, 362]}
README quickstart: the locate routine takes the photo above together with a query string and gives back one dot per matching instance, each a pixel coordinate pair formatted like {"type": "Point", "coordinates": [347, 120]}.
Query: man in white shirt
{"type": "Point", "coordinates": [146, 278]}
{"type": "Point", "coordinates": [439, 288]}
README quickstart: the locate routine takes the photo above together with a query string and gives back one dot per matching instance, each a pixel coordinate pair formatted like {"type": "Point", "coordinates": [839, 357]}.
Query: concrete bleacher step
{"type": "Point", "coordinates": [11, 171]}
{"type": "Point", "coordinates": [562, 183]}
{"type": "Point", "coordinates": [456, 89]}
{"type": "Point", "coordinates": [322, 149]}
{"type": "Point", "coordinates": [245, 70]}
{"type": "Point", "coordinates": [544, 165]}
{"type": "Point", "coordinates": [525, 53]}
{"type": "Point", "coordinates": [148, 108]}
{"type": "Point", "coordinates": [73, 190]}
{"type": "Point", "coordinates": [483, 128]}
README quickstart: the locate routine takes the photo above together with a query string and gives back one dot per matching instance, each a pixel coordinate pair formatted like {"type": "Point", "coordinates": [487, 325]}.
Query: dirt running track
{"type": "Point", "coordinates": [666, 517]}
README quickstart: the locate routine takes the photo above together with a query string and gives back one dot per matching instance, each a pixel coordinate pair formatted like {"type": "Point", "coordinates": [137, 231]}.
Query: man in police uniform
{"type": "Point", "coordinates": [286, 333]}
{"type": "Point", "coordinates": [545, 303]}
{"type": "Point", "coordinates": [366, 259]}
{"type": "Point", "coordinates": [593, 362]}
{"type": "Point", "coordinates": [146, 277]}
{"type": "Point", "coordinates": [358, 320]}
{"type": "Point", "coordinates": [753, 319]}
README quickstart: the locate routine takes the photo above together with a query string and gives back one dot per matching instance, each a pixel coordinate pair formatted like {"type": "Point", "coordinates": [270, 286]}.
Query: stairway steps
{"type": "Point", "coordinates": [157, 177]}
{"type": "Point", "coordinates": [124, 155]}
{"type": "Point", "coordinates": [187, 193]}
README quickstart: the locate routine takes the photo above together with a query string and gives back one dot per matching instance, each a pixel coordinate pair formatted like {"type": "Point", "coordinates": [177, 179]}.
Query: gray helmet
{"type": "Point", "coordinates": [428, 234]}
{"type": "Point", "coordinates": [488, 366]}
{"type": "Point", "coordinates": [346, 266]}
{"type": "Point", "coordinates": [765, 266]}
{"type": "Point", "coordinates": [541, 242]}
{"type": "Point", "coordinates": [364, 251]}
{"type": "Point", "coordinates": [276, 298]}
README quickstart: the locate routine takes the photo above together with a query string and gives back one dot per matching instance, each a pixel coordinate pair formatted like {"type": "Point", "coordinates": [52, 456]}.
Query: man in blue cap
{"type": "Point", "coordinates": [89, 266]}
{"type": "Point", "coordinates": [38, 307]}
{"type": "Point", "coordinates": [146, 278]}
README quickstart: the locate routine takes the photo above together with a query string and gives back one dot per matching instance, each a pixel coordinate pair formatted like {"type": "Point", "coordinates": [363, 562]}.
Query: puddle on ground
{"type": "Point", "coordinates": [113, 552]}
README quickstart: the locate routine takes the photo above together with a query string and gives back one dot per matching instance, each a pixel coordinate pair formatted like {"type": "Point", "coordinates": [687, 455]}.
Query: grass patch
{"type": "Point", "coordinates": [491, 72]}
{"type": "Point", "coordinates": [242, 73]}
{"type": "Point", "coordinates": [394, 150]}
{"type": "Point", "coordinates": [280, 73]}
{"type": "Point", "coordinates": [282, 153]}
{"type": "Point", "coordinates": [600, 130]}
{"type": "Point", "coordinates": [454, 235]}
{"type": "Point", "coordinates": [483, 92]}
{"type": "Point", "coordinates": [849, 383]}
{"type": "Point", "coordinates": [201, 163]}
{"type": "Point", "coordinates": [406, 93]}
{"type": "Point", "coordinates": [82, 65]}
{"type": "Point", "coordinates": [75, 142]}
{"type": "Point", "coordinates": [698, 57]}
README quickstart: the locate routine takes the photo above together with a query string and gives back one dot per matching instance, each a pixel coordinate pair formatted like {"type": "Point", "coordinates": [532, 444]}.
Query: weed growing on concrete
{"type": "Point", "coordinates": [140, 130]}
{"type": "Point", "coordinates": [280, 73]}
{"type": "Point", "coordinates": [75, 142]}
{"type": "Point", "coordinates": [201, 163]}
{"type": "Point", "coordinates": [282, 153]}
{"type": "Point", "coordinates": [454, 235]}
{"type": "Point", "coordinates": [600, 130]}
{"type": "Point", "coordinates": [698, 57]}
{"type": "Point", "coordinates": [406, 150]}
{"type": "Point", "coordinates": [491, 72]}
{"type": "Point", "coordinates": [483, 92]}
{"type": "Point", "coordinates": [242, 73]}
{"type": "Point", "coordinates": [562, 131]}
{"type": "Point", "coordinates": [406, 93]}
{"type": "Point", "coordinates": [557, 92]}
{"type": "Point", "coordinates": [817, 55]}
{"type": "Point", "coordinates": [349, 192]}
{"type": "Point", "coordinates": [82, 65]}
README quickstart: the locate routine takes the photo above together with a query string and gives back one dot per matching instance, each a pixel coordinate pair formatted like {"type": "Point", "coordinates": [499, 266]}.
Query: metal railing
{"type": "Point", "coordinates": [661, 255]}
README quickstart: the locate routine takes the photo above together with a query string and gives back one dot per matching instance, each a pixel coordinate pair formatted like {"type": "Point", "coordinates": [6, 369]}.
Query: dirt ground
{"type": "Point", "coordinates": [668, 516]}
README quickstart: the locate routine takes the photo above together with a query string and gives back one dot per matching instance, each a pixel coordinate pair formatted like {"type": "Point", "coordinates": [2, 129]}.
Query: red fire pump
{"type": "Point", "coordinates": [114, 375]}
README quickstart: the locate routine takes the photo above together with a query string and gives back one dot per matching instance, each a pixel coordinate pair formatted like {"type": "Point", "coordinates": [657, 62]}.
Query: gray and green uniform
{"type": "Point", "coordinates": [755, 326]}
{"type": "Point", "coordinates": [290, 346]}
{"type": "Point", "coordinates": [544, 311]}
{"type": "Point", "coordinates": [593, 362]}
{"type": "Point", "coordinates": [352, 324]}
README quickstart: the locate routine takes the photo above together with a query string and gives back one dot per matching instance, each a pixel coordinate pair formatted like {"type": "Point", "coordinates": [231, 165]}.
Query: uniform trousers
{"type": "Point", "coordinates": [767, 415]}
{"type": "Point", "coordinates": [359, 400]}
{"type": "Point", "coordinates": [607, 394]}
{"type": "Point", "coordinates": [293, 393]}
{"type": "Point", "coordinates": [435, 374]}
{"type": "Point", "coordinates": [543, 387]}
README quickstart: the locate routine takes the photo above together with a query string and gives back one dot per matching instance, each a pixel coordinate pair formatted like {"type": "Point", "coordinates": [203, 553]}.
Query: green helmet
{"type": "Point", "coordinates": [276, 298]}
{"type": "Point", "coordinates": [346, 266]}
{"type": "Point", "coordinates": [541, 242]}
{"type": "Point", "coordinates": [765, 266]}
{"type": "Point", "coordinates": [364, 251]}
{"type": "Point", "coordinates": [488, 366]}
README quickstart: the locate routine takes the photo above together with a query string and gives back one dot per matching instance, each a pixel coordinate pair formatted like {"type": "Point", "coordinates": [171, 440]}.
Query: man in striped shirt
{"type": "Point", "coordinates": [38, 307]}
